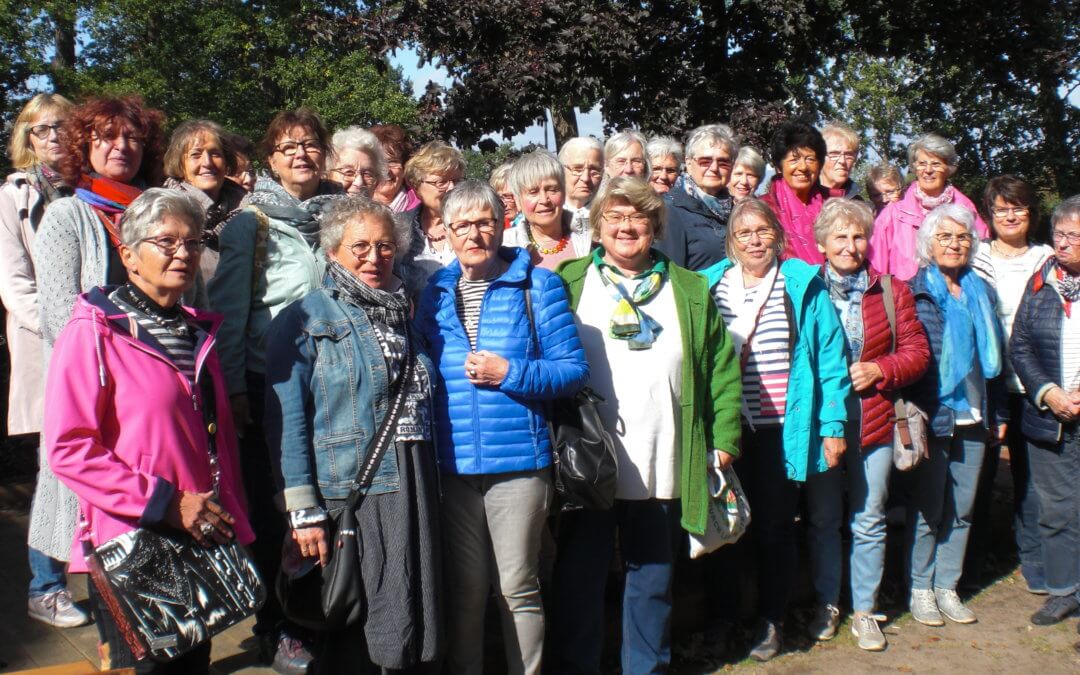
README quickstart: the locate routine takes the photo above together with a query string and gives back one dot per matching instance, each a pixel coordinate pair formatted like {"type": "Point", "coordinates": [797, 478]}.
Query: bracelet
{"type": "Point", "coordinates": [311, 517]}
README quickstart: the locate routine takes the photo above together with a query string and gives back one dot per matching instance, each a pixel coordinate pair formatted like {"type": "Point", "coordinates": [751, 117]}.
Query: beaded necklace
{"type": "Point", "coordinates": [559, 247]}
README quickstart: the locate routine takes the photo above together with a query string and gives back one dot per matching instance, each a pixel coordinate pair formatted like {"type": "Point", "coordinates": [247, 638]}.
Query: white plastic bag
{"type": "Point", "coordinates": [728, 513]}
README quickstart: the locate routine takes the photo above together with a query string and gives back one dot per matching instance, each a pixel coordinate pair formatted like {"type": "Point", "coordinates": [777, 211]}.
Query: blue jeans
{"type": "Point", "coordinates": [868, 473]}
{"type": "Point", "coordinates": [46, 574]}
{"type": "Point", "coordinates": [648, 533]}
{"type": "Point", "coordinates": [1055, 470]}
{"type": "Point", "coordinates": [942, 505]}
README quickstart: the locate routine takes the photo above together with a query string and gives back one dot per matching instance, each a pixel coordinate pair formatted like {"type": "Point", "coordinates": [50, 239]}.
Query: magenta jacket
{"type": "Point", "coordinates": [892, 246]}
{"type": "Point", "coordinates": [124, 429]}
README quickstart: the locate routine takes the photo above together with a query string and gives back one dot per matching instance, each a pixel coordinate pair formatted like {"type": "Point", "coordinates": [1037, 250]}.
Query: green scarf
{"type": "Point", "coordinates": [628, 322]}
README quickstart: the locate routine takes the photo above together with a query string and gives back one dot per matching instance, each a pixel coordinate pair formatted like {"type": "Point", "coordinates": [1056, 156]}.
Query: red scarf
{"type": "Point", "coordinates": [108, 198]}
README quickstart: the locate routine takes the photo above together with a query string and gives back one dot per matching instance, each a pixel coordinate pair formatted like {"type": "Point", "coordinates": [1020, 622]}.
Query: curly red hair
{"type": "Point", "coordinates": [105, 116]}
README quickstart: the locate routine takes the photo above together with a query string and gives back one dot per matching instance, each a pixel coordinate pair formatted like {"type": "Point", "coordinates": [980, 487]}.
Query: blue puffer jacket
{"type": "Point", "coordinates": [487, 430]}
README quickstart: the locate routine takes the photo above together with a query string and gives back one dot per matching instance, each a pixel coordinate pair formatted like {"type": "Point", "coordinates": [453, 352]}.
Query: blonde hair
{"type": "Point", "coordinates": [843, 212]}
{"type": "Point", "coordinates": [633, 191]}
{"type": "Point", "coordinates": [435, 157]}
{"type": "Point", "coordinates": [841, 131]}
{"type": "Point", "coordinates": [748, 208]}
{"type": "Point", "coordinates": [19, 148]}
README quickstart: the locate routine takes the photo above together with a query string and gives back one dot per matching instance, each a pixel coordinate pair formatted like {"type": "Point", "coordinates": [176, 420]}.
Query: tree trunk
{"type": "Point", "coordinates": [63, 60]}
{"type": "Point", "coordinates": [564, 122]}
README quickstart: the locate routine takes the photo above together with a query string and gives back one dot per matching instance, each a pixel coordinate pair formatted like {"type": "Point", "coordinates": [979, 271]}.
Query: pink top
{"type": "Point", "coordinates": [797, 218]}
{"type": "Point", "coordinates": [123, 428]}
{"type": "Point", "coordinates": [892, 246]}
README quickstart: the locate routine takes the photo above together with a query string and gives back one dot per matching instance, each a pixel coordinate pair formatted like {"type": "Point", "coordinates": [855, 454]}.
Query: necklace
{"type": "Point", "coordinates": [996, 247]}
{"type": "Point", "coordinates": [171, 318]}
{"type": "Point", "coordinates": [559, 246]}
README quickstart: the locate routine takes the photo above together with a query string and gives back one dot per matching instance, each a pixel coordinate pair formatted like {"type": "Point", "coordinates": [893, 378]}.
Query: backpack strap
{"type": "Point", "coordinates": [899, 407]}
{"type": "Point", "coordinates": [262, 233]}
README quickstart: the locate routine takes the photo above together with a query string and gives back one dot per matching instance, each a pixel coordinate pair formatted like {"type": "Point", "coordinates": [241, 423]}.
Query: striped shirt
{"type": "Point", "coordinates": [1070, 349]}
{"type": "Point", "coordinates": [181, 349]}
{"type": "Point", "coordinates": [469, 296]}
{"type": "Point", "coordinates": [765, 374]}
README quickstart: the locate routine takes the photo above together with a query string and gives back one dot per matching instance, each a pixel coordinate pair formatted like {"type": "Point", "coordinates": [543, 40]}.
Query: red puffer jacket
{"type": "Point", "coordinates": [900, 368]}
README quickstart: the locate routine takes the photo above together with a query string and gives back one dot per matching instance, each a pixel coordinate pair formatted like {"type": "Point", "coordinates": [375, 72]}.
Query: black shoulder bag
{"type": "Point", "coordinates": [586, 469]}
{"type": "Point", "coordinates": [330, 598]}
{"type": "Point", "coordinates": [166, 593]}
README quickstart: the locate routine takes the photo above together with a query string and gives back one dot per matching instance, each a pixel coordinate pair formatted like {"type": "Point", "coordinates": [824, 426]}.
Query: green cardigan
{"type": "Point", "coordinates": [711, 386]}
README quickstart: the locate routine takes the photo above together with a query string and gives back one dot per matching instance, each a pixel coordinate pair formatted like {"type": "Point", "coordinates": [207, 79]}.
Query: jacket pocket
{"type": "Point", "coordinates": [335, 383]}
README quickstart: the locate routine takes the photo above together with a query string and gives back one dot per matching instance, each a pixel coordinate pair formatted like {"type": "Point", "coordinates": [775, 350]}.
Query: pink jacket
{"type": "Point", "coordinates": [892, 246]}
{"type": "Point", "coordinates": [124, 430]}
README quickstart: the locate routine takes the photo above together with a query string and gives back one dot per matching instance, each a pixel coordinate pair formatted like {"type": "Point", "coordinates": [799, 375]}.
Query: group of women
{"type": "Point", "coordinates": [365, 298]}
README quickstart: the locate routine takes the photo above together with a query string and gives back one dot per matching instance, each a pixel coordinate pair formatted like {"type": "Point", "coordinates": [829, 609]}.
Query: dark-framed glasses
{"type": "Point", "coordinates": [43, 131]}
{"type": "Point", "coordinates": [463, 227]}
{"type": "Point", "coordinates": [441, 184]}
{"type": "Point", "coordinates": [383, 249]}
{"type": "Point", "coordinates": [169, 245]}
{"type": "Point", "coordinates": [1073, 238]}
{"type": "Point", "coordinates": [290, 148]}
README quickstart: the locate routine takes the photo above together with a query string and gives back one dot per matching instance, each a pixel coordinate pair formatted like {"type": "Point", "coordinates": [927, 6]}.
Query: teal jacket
{"type": "Point", "coordinates": [711, 388]}
{"type": "Point", "coordinates": [818, 383]}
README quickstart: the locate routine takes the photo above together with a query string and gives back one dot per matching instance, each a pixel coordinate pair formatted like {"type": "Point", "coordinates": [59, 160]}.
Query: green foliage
{"type": "Point", "coordinates": [481, 162]}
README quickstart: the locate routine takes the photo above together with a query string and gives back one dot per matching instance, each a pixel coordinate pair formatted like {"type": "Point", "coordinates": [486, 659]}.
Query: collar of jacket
{"type": "Point", "coordinates": [680, 200]}
{"type": "Point", "coordinates": [1042, 277]}
{"type": "Point", "coordinates": [519, 259]}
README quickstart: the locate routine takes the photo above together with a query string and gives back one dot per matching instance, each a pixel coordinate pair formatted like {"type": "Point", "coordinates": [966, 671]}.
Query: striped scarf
{"type": "Point", "coordinates": [628, 322]}
{"type": "Point", "coordinates": [108, 198]}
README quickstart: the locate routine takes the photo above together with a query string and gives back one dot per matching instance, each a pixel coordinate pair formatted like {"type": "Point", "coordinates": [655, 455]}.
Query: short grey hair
{"type": "Point", "coordinates": [1065, 211]}
{"type": "Point", "coordinates": [934, 145]}
{"type": "Point", "coordinates": [924, 241]}
{"type": "Point", "coordinates": [500, 175]}
{"type": "Point", "coordinates": [349, 209]}
{"type": "Point", "coordinates": [623, 140]}
{"type": "Point", "coordinates": [842, 131]}
{"type": "Point", "coordinates": [843, 212]}
{"type": "Point", "coordinates": [884, 171]}
{"type": "Point", "coordinates": [585, 143]}
{"type": "Point", "coordinates": [149, 208]}
{"type": "Point", "coordinates": [530, 170]}
{"type": "Point", "coordinates": [660, 147]}
{"type": "Point", "coordinates": [469, 196]}
{"type": "Point", "coordinates": [711, 135]}
{"type": "Point", "coordinates": [358, 138]}
{"type": "Point", "coordinates": [751, 159]}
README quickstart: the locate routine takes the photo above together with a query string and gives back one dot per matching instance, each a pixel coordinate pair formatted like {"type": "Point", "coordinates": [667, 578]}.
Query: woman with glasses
{"type": "Point", "coordinates": [795, 193]}
{"type": "Point", "coordinates": [893, 250]}
{"type": "Point", "coordinates": [357, 162]}
{"type": "Point", "coordinates": [583, 159]}
{"type": "Point", "coordinates": [666, 158]}
{"type": "Point", "coordinates": [663, 363]}
{"type": "Point", "coordinates": [500, 183]}
{"type": "Point", "coordinates": [960, 395]}
{"type": "Point", "coordinates": [884, 185]}
{"type": "Point", "coordinates": [269, 259]}
{"type": "Point", "coordinates": [624, 155]}
{"type": "Point", "coordinates": [698, 204]}
{"type": "Point", "coordinates": [547, 230]}
{"type": "Point", "coordinates": [493, 444]}
{"type": "Point", "coordinates": [397, 150]}
{"type": "Point", "coordinates": [1045, 350]}
{"type": "Point", "coordinates": [432, 172]}
{"type": "Point", "coordinates": [334, 359]}
{"type": "Point", "coordinates": [841, 153]}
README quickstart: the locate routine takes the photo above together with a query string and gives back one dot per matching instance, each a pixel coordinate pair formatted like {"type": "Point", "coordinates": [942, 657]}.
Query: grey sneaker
{"type": "Point", "coordinates": [826, 619]}
{"type": "Point", "coordinates": [865, 627]}
{"type": "Point", "coordinates": [949, 604]}
{"type": "Point", "coordinates": [57, 609]}
{"type": "Point", "coordinates": [924, 608]}
{"type": "Point", "coordinates": [768, 642]}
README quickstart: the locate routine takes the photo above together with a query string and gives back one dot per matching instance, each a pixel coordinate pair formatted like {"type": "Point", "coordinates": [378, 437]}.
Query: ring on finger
{"type": "Point", "coordinates": [472, 372]}
{"type": "Point", "coordinates": [207, 528]}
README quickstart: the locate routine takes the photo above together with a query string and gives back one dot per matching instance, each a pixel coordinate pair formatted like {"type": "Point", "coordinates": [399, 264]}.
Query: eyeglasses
{"type": "Point", "coordinates": [1018, 211]}
{"type": "Point", "coordinates": [895, 192]}
{"type": "Point", "coordinates": [308, 145]}
{"type": "Point", "coordinates": [764, 234]}
{"type": "Point", "coordinates": [383, 249]}
{"type": "Point", "coordinates": [666, 171]}
{"type": "Point", "coordinates": [594, 172]}
{"type": "Point", "coordinates": [170, 245]}
{"type": "Point", "coordinates": [350, 176]}
{"type": "Point", "coordinates": [621, 162]}
{"type": "Point", "coordinates": [806, 160]}
{"type": "Point", "coordinates": [1072, 237]}
{"type": "Point", "coordinates": [929, 166]}
{"type": "Point", "coordinates": [464, 227]}
{"type": "Point", "coordinates": [43, 131]}
{"type": "Point", "coordinates": [506, 197]}
{"type": "Point", "coordinates": [720, 162]}
{"type": "Point", "coordinates": [846, 156]}
{"type": "Point", "coordinates": [637, 218]}
{"type": "Point", "coordinates": [394, 165]}
{"type": "Point", "coordinates": [441, 184]}
{"type": "Point", "coordinates": [962, 240]}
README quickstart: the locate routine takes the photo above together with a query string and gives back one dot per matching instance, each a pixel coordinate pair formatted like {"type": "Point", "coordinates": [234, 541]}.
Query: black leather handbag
{"type": "Point", "coordinates": [168, 594]}
{"type": "Point", "coordinates": [586, 470]}
{"type": "Point", "coordinates": [332, 597]}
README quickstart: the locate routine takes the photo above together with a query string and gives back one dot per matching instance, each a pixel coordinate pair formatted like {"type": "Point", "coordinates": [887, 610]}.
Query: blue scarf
{"type": "Point", "coordinates": [970, 325]}
{"type": "Point", "coordinates": [718, 206]}
{"type": "Point", "coordinates": [847, 293]}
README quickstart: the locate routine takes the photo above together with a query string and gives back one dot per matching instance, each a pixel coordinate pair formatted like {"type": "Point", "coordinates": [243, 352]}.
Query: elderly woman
{"type": "Point", "coordinates": [583, 159]}
{"type": "Point", "coordinates": [1007, 262]}
{"type": "Point", "coordinates": [397, 150]}
{"type": "Point", "coordinates": [746, 174]}
{"type": "Point", "coordinates": [243, 174]}
{"type": "Point", "coordinates": [496, 487]}
{"type": "Point", "coordinates": [959, 395]}
{"type": "Point", "coordinates": [882, 361]}
{"type": "Point", "coordinates": [884, 185]}
{"type": "Point", "coordinates": [624, 155]}
{"type": "Point", "coordinates": [698, 204]}
{"type": "Point", "coordinates": [431, 172]}
{"type": "Point", "coordinates": [500, 183]}
{"type": "Point", "coordinates": [666, 157]}
{"type": "Point", "coordinates": [658, 354]}
{"type": "Point", "coordinates": [111, 150]}
{"type": "Point", "coordinates": [794, 385]}
{"type": "Point", "coordinates": [841, 153]}
{"type": "Point", "coordinates": [893, 248]}
{"type": "Point", "coordinates": [36, 183]}
{"type": "Point", "coordinates": [546, 230]}
{"type": "Point", "coordinates": [198, 162]}
{"type": "Point", "coordinates": [795, 193]}
{"type": "Point", "coordinates": [1045, 351]}
{"type": "Point", "coordinates": [126, 428]}
{"type": "Point", "coordinates": [270, 259]}
{"type": "Point", "coordinates": [337, 359]}
{"type": "Point", "coordinates": [357, 163]}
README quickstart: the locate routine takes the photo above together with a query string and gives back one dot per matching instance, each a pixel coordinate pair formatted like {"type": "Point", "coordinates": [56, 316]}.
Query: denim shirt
{"type": "Point", "coordinates": [327, 393]}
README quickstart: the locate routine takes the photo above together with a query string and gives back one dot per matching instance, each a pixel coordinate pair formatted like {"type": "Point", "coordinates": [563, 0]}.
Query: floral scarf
{"type": "Point", "coordinates": [797, 219]}
{"type": "Point", "coordinates": [1068, 286]}
{"type": "Point", "coordinates": [275, 201]}
{"type": "Point", "coordinates": [718, 206]}
{"type": "Point", "coordinates": [929, 203]}
{"type": "Point", "coordinates": [108, 198]}
{"type": "Point", "coordinates": [846, 292]}
{"type": "Point", "coordinates": [628, 322]}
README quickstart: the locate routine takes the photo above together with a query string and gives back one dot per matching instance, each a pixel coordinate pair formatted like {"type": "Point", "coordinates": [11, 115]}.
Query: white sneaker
{"type": "Point", "coordinates": [57, 609]}
{"type": "Point", "coordinates": [924, 607]}
{"type": "Point", "coordinates": [865, 627]}
{"type": "Point", "coordinates": [949, 604]}
{"type": "Point", "coordinates": [826, 620]}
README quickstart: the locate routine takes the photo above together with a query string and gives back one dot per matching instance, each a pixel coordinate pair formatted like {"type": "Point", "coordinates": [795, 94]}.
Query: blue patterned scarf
{"type": "Point", "coordinates": [718, 206]}
{"type": "Point", "coordinates": [846, 292]}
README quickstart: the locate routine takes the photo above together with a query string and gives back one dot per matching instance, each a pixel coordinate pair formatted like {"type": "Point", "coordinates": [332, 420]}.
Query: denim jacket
{"type": "Point", "coordinates": [327, 392]}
